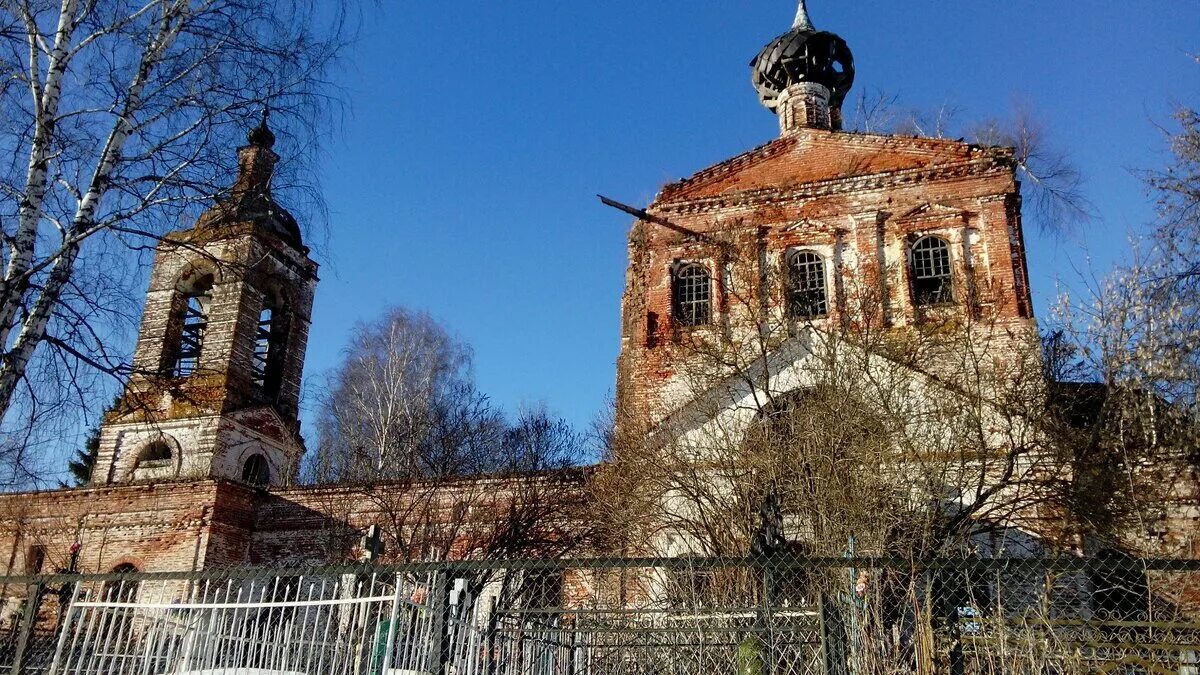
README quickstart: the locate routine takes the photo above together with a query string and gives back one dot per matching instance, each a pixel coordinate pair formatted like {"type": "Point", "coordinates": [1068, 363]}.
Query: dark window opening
{"type": "Point", "coordinates": [693, 295]}
{"type": "Point", "coordinates": [157, 453]}
{"type": "Point", "coordinates": [1120, 590]}
{"type": "Point", "coordinates": [256, 471]}
{"type": "Point", "coordinates": [121, 590]}
{"type": "Point", "coordinates": [807, 297]}
{"type": "Point", "coordinates": [932, 282]}
{"type": "Point", "coordinates": [35, 560]}
{"type": "Point", "coordinates": [543, 589]}
{"type": "Point", "coordinates": [652, 329]}
{"type": "Point", "coordinates": [691, 587]}
{"type": "Point", "coordinates": [193, 325]}
{"type": "Point", "coordinates": [269, 350]}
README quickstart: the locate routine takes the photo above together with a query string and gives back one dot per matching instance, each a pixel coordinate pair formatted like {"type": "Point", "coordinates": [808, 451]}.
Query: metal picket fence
{"type": "Point", "coordinates": [675, 616]}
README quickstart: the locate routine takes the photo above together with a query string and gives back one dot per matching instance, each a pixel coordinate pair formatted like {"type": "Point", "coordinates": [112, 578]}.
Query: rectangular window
{"type": "Point", "coordinates": [35, 560]}
{"type": "Point", "coordinates": [543, 589]}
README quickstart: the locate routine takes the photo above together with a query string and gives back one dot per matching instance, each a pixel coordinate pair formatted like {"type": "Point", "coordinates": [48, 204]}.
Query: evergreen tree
{"type": "Point", "coordinates": [85, 458]}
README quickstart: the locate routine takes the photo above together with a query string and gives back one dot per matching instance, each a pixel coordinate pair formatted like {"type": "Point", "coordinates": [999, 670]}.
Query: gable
{"type": "Point", "coordinates": [821, 156]}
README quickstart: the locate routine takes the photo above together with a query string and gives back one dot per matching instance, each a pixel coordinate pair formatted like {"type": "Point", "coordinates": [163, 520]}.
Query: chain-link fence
{"type": "Point", "coordinates": [677, 616]}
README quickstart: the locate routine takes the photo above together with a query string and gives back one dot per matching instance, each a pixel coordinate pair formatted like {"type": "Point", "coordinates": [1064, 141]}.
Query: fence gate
{"type": "Point", "coordinates": [337, 625]}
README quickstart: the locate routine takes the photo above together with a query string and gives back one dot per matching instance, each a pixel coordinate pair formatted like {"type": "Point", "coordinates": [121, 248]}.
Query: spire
{"type": "Point", "coordinates": [261, 136]}
{"type": "Point", "coordinates": [802, 21]}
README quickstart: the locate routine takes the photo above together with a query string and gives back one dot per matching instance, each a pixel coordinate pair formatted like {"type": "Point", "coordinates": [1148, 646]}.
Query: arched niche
{"type": "Point", "coordinates": [157, 458]}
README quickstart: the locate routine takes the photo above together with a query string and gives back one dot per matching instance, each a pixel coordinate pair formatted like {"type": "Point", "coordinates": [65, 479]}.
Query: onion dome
{"type": "Point", "coordinates": [803, 54]}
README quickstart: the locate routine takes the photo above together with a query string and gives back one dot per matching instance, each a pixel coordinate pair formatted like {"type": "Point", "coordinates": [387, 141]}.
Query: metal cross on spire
{"type": "Point", "coordinates": [802, 21]}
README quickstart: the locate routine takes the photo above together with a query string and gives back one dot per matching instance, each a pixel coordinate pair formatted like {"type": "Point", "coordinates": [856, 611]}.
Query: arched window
{"type": "Point", "coordinates": [692, 290]}
{"type": "Point", "coordinates": [122, 590]}
{"type": "Point", "coordinates": [269, 347]}
{"type": "Point", "coordinates": [157, 453]}
{"type": "Point", "coordinates": [256, 471]}
{"type": "Point", "coordinates": [807, 297]}
{"type": "Point", "coordinates": [932, 282]}
{"type": "Point", "coordinates": [193, 306]}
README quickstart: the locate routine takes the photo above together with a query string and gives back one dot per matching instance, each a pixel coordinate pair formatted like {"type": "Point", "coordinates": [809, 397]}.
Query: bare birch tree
{"type": "Point", "coordinates": [403, 404]}
{"type": "Point", "coordinates": [121, 117]}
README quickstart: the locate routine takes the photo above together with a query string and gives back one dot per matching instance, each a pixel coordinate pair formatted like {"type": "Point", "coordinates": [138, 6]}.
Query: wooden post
{"type": "Point", "coordinates": [28, 623]}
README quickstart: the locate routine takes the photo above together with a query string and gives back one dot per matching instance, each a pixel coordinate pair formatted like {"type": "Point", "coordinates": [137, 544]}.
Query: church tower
{"type": "Point", "coordinates": [217, 370]}
{"type": "Point", "coordinates": [820, 231]}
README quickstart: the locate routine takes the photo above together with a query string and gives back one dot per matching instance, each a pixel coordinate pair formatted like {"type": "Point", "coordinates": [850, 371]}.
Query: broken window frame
{"type": "Point", "coordinates": [807, 292]}
{"type": "Point", "coordinates": [192, 330]}
{"type": "Point", "coordinates": [266, 367]}
{"type": "Point", "coordinates": [931, 271]}
{"type": "Point", "coordinates": [691, 290]}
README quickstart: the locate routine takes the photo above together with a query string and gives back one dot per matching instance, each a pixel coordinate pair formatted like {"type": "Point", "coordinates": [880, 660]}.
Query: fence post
{"type": "Point", "coordinates": [64, 625]}
{"type": "Point", "coordinates": [28, 622]}
{"type": "Point", "coordinates": [438, 618]}
{"type": "Point", "coordinates": [489, 639]}
{"type": "Point", "coordinates": [833, 636]}
{"type": "Point", "coordinates": [390, 641]}
{"type": "Point", "coordinates": [946, 603]}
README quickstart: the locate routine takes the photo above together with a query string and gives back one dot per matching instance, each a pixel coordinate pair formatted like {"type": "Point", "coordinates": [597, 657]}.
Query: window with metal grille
{"type": "Point", "coordinates": [807, 296]}
{"type": "Point", "coordinates": [267, 363]}
{"type": "Point", "coordinates": [692, 295]}
{"type": "Point", "coordinates": [543, 589]}
{"type": "Point", "coordinates": [932, 282]}
{"type": "Point", "coordinates": [256, 471]}
{"type": "Point", "coordinates": [194, 324]}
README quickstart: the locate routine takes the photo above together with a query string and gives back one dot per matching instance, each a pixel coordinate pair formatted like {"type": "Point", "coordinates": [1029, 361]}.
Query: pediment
{"type": "Point", "coordinates": [787, 164]}
{"type": "Point", "coordinates": [264, 421]}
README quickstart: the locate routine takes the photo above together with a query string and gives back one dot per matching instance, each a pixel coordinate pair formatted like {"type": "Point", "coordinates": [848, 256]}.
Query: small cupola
{"type": "Point", "coordinates": [250, 199]}
{"type": "Point", "coordinates": [803, 76]}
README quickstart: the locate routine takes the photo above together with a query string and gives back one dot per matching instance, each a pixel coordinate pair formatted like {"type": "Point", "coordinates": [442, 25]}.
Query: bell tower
{"type": "Point", "coordinates": [217, 370]}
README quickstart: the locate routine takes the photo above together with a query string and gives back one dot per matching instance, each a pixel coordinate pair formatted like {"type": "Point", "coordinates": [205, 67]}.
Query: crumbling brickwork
{"type": "Point", "coordinates": [237, 290]}
{"type": "Point", "coordinates": [858, 201]}
{"type": "Point", "coordinates": [186, 525]}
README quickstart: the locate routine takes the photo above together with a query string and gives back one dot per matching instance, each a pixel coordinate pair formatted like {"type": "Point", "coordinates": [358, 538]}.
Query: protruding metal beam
{"type": "Point", "coordinates": [641, 214]}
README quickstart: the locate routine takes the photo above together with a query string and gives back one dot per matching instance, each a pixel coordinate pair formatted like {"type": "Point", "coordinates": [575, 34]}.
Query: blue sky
{"type": "Point", "coordinates": [462, 179]}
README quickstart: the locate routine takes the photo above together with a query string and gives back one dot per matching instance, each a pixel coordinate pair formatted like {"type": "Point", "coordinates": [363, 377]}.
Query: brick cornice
{"type": "Point", "coordinates": [848, 185]}
{"type": "Point", "coordinates": [815, 136]}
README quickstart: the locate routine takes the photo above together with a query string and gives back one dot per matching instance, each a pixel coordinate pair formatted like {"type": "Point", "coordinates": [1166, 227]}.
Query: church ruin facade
{"type": "Point", "coordinates": [817, 231]}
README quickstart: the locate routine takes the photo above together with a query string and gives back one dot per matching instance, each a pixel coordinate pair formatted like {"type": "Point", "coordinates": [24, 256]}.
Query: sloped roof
{"type": "Point", "coordinates": [820, 156]}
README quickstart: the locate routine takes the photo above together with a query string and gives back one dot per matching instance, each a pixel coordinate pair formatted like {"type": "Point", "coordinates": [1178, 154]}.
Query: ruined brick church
{"type": "Point", "coordinates": [199, 458]}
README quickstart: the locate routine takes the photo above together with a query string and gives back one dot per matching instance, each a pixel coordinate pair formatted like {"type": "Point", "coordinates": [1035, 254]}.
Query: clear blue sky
{"type": "Point", "coordinates": [463, 179]}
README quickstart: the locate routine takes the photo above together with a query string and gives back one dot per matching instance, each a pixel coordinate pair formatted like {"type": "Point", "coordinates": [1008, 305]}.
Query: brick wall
{"type": "Point", "coordinates": [857, 200]}
{"type": "Point", "coordinates": [195, 414]}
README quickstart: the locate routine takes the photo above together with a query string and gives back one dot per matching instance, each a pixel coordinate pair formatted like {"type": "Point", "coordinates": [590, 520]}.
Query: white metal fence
{"type": "Point", "coordinates": [613, 617]}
